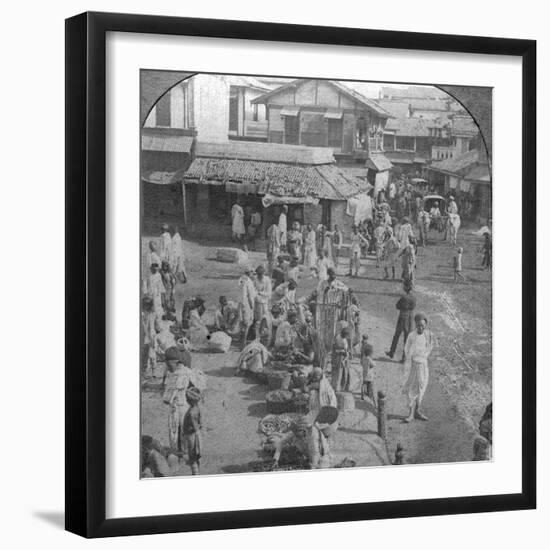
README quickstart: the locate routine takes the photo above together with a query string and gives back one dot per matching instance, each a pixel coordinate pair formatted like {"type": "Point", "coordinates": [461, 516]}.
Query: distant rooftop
{"type": "Point", "coordinates": [343, 87]}
{"type": "Point", "coordinates": [412, 92]}
{"type": "Point", "coordinates": [267, 152]}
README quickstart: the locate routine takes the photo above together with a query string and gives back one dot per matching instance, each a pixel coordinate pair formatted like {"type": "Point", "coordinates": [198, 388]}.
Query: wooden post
{"type": "Point", "coordinates": [399, 455]}
{"type": "Point", "coordinates": [382, 418]}
{"type": "Point", "coordinates": [481, 448]}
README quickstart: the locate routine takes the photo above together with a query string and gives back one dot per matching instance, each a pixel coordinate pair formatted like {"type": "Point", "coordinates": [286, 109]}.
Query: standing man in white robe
{"type": "Point", "coordinates": [237, 221]}
{"type": "Point", "coordinates": [262, 312]}
{"type": "Point", "coordinates": [246, 304]}
{"type": "Point", "coordinates": [178, 257]}
{"type": "Point", "coordinates": [418, 348]}
{"type": "Point", "coordinates": [283, 226]}
{"type": "Point", "coordinates": [166, 244]}
{"type": "Point", "coordinates": [310, 249]}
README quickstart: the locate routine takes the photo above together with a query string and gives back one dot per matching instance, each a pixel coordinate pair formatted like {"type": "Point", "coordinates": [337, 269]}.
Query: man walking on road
{"type": "Point", "coordinates": [406, 305]}
{"type": "Point", "coordinates": [418, 348]}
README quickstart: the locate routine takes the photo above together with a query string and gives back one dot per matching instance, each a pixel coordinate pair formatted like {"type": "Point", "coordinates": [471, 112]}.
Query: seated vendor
{"type": "Point", "coordinates": [227, 316]}
{"type": "Point", "coordinates": [279, 272]}
{"type": "Point", "coordinates": [310, 439]}
{"type": "Point", "coordinates": [285, 294]}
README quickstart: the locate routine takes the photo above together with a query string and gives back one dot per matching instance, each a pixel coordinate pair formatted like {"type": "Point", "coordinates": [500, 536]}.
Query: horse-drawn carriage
{"type": "Point", "coordinates": [438, 222]}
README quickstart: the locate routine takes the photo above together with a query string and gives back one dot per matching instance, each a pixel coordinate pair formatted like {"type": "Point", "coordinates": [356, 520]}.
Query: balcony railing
{"type": "Point", "coordinates": [440, 152]}
{"type": "Point", "coordinates": [376, 144]}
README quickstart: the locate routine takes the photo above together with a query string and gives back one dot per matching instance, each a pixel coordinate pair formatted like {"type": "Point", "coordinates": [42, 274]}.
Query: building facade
{"type": "Point", "coordinates": [263, 177]}
{"type": "Point", "coordinates": [324, 113]}
{"type": "Point", "coordinates": [466, 176]}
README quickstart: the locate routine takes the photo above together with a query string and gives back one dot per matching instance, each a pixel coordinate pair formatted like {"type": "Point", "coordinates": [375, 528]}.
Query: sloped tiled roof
{"type": "Point", "coordinates": [413, 92]}
{"type": "Point", "coordinates": [354, 94]}
{"type": "Point", "coordinates": [378, 162]}
{"type": "Point", "coordinates": [398, 109]}
{"type": "Point", "coordinates": [417, 127]}
{"type": "Point", "coordinates": [464, 126]}
{"type": "Point", "coordinates": [359, 97]}
{"type": "Point", "coordinates": [318, 181]}
{"type": "Point", "coordinates": [268, 152]}
{"type": "Point", "coordinates": [458, 164]}
{"type": "Point", "coordinates": [166, 143]}
{"type": "Point", "coordinates": [248, 82]}
{"type": "Point", "coordinates": [479, 173]}
{"type": "Point", "coordinates": [429, 105]}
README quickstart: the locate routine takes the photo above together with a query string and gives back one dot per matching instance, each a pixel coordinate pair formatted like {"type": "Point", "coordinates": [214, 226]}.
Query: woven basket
{"type": "Point", "coordinates": [278, 380]}
{"type": "Point", "coordinates": [279, 406]}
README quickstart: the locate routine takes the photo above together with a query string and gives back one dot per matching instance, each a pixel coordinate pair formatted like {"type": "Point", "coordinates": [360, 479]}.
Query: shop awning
{"type": "Point", "coordinates": [334, 114]}
{"type": "Point", "coordinates": [159, 177]}
{"type": "Point", "coordinates": [269, 200]}
{"type": "Point", "coordinates": [290, 110]}
{"type": "Point", "coordinates": [166, 143]}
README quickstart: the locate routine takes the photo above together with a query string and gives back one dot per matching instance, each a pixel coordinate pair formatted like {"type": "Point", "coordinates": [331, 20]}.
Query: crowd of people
{"type": "Point", "coordinates": [271, 319]}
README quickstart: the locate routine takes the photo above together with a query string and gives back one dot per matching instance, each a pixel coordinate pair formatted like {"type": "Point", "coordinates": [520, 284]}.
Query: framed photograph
{"type": "Point", "coordinates": [300, 277]}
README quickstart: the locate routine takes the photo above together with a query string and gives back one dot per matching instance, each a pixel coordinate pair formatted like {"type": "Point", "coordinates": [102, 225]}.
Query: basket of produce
{"type": "Point", "coordinates": [281, 365]}
{"type": "Point", "coordinates": [278, 380]}
{"type": "Point", "coordinates": [274, 424]}
{"type": "Point", "coordinates": [279, 401]}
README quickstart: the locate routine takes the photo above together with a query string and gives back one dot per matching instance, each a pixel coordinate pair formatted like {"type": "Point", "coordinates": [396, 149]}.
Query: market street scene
{"type": "Point", "coordinates": [316, 272]}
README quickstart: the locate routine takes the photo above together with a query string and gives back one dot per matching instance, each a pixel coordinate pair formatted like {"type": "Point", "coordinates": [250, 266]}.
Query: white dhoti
{"type": "Point", "coordinates": [417, 381]}
{"type": "Point", "coordinates": [417, 350]}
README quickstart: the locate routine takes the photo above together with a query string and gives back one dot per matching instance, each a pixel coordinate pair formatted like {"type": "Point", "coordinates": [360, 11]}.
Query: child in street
{"type": "Point", "coordinates": [192, 429]}
{"type": "Point", "coordinates": [457, 264]}
{"type": "Point", "coordinates": [367, 388]}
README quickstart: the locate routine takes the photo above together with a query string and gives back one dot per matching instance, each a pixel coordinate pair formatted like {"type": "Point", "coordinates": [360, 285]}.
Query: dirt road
{"type": "Point", "coordinates": [460, 368]}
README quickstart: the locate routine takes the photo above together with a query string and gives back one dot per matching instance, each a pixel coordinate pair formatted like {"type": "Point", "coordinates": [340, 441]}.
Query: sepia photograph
{"type": "Point", "coordinates": [316, 274]}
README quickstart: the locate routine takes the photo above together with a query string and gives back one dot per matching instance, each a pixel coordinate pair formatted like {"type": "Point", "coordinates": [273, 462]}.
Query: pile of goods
{"type": "Point", "coordinates": [231, 255]}
{"type": "Point", "coordinates": [300, 402]}
{"type": "Point", "coordinates": [278, 380]}
{"type": "Point", "coordinates": [271, 428]}
{"type": "Point", "coordinates": [279, 401]}
{"type": "Point", "coordinates": [274, 424]}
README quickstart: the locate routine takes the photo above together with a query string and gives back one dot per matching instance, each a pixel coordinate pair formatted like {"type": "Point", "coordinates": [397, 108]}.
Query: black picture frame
{"type": "Point", "coordinates": [86, 276]}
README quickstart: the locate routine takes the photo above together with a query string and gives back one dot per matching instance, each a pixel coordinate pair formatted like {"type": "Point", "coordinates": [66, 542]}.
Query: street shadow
{"type": "Point", "coordinates": [257, 409]}
{"type": "Point", "coordinates": [377, 293]}
{"type": "Point", "coordinates": [356, 431]}
{"type": "Point", "coordinates": [434, 279]}
{"type": "Point", "coordinates": [222, 372]}
{"type": "Point", "coordinates": [256, 392]}
{"type": "Point", "coordinates": [56, 519]}
{"type": "Point", "coordinates": [366, 406]}
{"type": "Point", "coordinates": [235, 468]}
{"type": "Point", "coordinates": [221, 276]}
{"type": "Point", "coordinates": [386, 359]}
{"type": "Point", "coordinates": [396, 416]}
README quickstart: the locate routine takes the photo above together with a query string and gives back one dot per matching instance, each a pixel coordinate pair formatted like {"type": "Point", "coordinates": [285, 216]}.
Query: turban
{"type": "Point", "coordinates": [193, 394]}
{"type": "Point", "coordinates": [420, 317]}
{"type": "Point", "coordinates": [172, 354]}
{"type": "Point", "coordinates": [327, 415]}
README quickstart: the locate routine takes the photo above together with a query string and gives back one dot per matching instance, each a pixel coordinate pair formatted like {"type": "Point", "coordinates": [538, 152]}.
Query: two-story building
{"type": "Point", "coordinates": [247, 120]}
{"type": "Point", "coordinates": [324, 113]}
{"type": "Point", "coordinates": [408, 142]}
{"type": "Point", "coordinates": [468, 177]}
